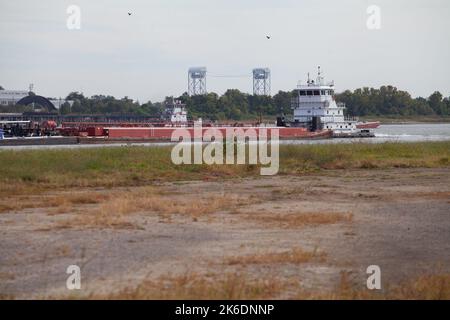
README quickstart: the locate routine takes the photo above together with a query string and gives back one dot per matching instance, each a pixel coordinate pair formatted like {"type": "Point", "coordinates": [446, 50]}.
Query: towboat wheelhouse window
{"type": "Point", "coordinates": [302, 92]}
{"type": "Point", "coordinates": [322, 92]}
{"type": "Point", "coordinates": [317, 92]}
{"type": "Point", "coordinates": [309, 93]}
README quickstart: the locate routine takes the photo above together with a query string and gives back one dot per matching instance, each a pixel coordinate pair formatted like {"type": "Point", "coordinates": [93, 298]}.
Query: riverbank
{"type": "Point", "coordinates": [132, 166]}
{"type": "Point", "coordinates": [308, 236]}
{"type": "Point", "coordinates": [133, 222]}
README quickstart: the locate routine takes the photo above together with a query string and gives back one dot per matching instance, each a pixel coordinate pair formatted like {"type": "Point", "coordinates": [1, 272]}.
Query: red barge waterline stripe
{"type": "Point", "coordinates": [166, 133]}
{"type": "Point", "coordinates": [368, 125]}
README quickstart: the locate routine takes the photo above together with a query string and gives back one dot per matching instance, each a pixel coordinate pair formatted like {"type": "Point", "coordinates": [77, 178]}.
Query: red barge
{"type": "Point", "coordinates": [368, 125]}
{"type": "Point", "coordinates": [143, 133]}
{"type": "Point", "coordinates": [175, 117]}
{"type": "Point", "coordinates": [161, 134]}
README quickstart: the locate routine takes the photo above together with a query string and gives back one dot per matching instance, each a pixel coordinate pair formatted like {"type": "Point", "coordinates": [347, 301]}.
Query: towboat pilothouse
{"type": "Point", "coordinates": [175, 114]}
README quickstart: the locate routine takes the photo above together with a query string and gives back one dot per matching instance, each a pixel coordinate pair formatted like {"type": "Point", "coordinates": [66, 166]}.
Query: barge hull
{"type": "Point", "coordinates": [152, 135]}
{"type": "Point", "coordinates": [166, 133]}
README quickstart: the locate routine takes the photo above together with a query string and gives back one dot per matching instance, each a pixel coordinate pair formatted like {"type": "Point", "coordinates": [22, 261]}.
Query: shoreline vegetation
{"type": "Point", "coordinates": [40, 170]}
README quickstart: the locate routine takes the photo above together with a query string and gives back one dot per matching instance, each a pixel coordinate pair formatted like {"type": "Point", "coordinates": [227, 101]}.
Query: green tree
{"type": "Point", "coordinates": [75, 96]}
{"type": "Point", "coordinates": [438, 104]}
{"type": "Point", "coordinates": [234, 104]}
{"type": "Point", "coordinates": [65, 108]}
{"type": "Point", "coordinates": [77, 107]}
{"type": "Point", "coordinates": [388, 100]}
{"type": "Point", "coordinates": [282, 102]}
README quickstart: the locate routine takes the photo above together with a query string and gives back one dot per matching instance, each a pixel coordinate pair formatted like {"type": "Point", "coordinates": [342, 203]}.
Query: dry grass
{"type": "Point", "coordinates": [63, 202]}
{"type": "Point", "coordinates": [289, 193]}
{"type": "Point", "coordinates": [230, 286]}
{"type": "Point", "coordinates": [296, 220]}
{"type": "Point", "coordinates": [295, 255]}
{"type": "Point", "coordinates": [426, 287]}
{"type": "Point", "coordinates": [112, 208]}
{"type": "Point", "coordinates": [423, 287]}
{"type": "Point", "coordinates": [435, 195]}
{"type": "Point", "coordinates": [137, 201]}
{"type": "Point", "coordinates": [115, 212]}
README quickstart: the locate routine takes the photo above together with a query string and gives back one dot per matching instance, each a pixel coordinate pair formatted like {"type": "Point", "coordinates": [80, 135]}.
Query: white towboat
{"type": "Point", "coordinates": [315, 105]}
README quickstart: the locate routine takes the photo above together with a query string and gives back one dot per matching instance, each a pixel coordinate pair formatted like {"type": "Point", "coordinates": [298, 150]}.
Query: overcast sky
{"type": "Point", "coordinates": [146, 55]}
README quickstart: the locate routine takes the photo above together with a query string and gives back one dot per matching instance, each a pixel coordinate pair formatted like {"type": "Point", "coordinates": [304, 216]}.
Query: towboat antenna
{"type": "Point", "coordinates": [319, 76]}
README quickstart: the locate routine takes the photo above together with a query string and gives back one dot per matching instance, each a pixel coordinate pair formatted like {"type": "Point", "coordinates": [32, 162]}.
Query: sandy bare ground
{"type": "Point", "coordinates": [398, 219]}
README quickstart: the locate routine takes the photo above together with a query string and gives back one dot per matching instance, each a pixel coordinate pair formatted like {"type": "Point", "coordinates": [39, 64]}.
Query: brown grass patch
{"type": "Point", "coordinates": [230, 286]}
{"type": "Point", "coordinates": [296, 255]}
{"type": "Point", "coordinates": [111, 209]}
{"type": "Point", "coordinates": [423, 287]}
{"type": "Point", "coordinates": [77, 198]}
{"type": "Point", "coordinates": [115, 212]}
{"type": "Point", "coordinates": [426, 287]}
{"type": "Point", "coordinates": [63, 202]}
{"type": "Point", "coordinates": [300, 219]}
{"type": "Point", "coordinates": [435, 195]}
{"type": "Point", "coordinates": [288, 192]}
{"type": "Point", "coordinates": [141, 201]}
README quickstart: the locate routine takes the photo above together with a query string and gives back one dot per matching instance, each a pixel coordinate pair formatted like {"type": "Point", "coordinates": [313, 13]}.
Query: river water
{"type": "Point", "coordinates": [396, 133]}
{"type": "Point", "coordinates": [385, 133]}
{"type": "Point", "coordinates": [414, 132]}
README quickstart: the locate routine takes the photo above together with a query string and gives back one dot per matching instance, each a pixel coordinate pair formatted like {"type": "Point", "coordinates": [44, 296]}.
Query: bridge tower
{"type": "Point", "coordinates": [261, 81]}
{"type": "Point", "coordinates": [197, 81]}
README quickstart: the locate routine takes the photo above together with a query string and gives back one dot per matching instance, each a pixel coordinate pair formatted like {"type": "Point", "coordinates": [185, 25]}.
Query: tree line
{"type": "Point", "coordinates": [233, 104]}
{"type": "Point", "coordinates": [236, 105]}
{"type": "Point", "coordinates": [389, 101]}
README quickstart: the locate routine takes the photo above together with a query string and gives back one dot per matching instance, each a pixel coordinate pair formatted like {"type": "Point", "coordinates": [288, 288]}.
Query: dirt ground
{"type": "Point", "coordinates": [398, 219]}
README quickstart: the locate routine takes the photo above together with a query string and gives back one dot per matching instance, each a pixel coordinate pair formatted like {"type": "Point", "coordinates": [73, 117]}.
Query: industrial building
{"type": "Point", "coordinates": [23, 97]}
{"type": "Point", "coordinates": [11, 97]}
